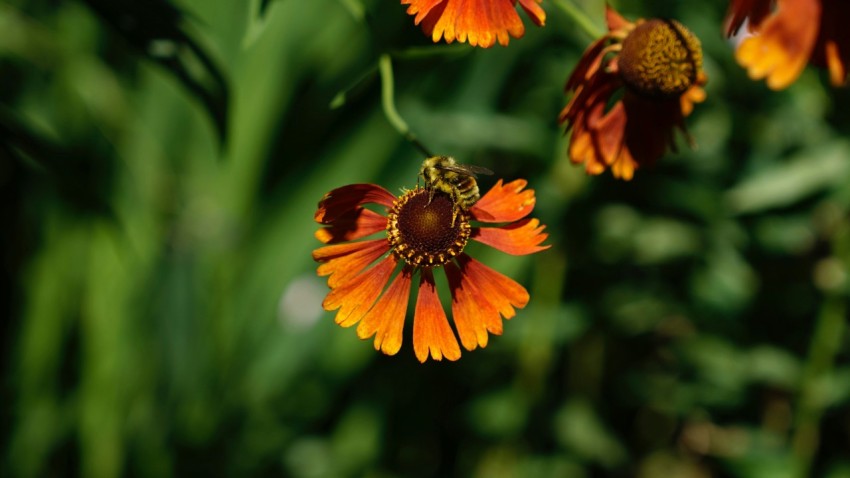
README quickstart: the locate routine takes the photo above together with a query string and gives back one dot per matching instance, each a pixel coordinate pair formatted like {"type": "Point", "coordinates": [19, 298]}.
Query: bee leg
{"type": "Point", "coordinates": [431, 195]}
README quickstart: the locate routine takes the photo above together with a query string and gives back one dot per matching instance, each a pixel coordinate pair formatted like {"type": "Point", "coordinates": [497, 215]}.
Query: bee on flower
{"type": "Point", "coordinates": [423, 230]}
{"type": "Point", "coordinates": [657, 67]}
{"type": "Point", "coordinates": [786, 35]}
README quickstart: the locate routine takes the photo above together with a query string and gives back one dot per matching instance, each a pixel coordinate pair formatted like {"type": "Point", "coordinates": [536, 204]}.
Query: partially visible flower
{"type": "Point", "coordinates": [423, 234]}
{"type": "Point", "coordinates": [788, 34]}
{"type": "Point", "coordinates": [657, 65]}
{"type": "Point", "coordinates": [481, 22]}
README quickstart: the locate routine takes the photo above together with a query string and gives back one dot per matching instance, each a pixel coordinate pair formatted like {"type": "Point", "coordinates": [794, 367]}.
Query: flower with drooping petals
{"type": "Point", "coordinates": [788, 34]}
{"type": "Point", "coordinates": [657, 65]}
{"type": "Point", "coordinates": [422, 233]}
{"type": "Point", "coordinates": [481, 22]}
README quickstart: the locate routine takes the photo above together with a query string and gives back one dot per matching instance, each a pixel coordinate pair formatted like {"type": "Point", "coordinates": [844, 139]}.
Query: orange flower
{"type": "Point", "coordinates": [423, 234]}
{"type": "Point", "coordinates": [657, 64]}
{"type": "Point", "coordinates": [482, 22]}
{"type": "Point", "coordinates": [788, 34]}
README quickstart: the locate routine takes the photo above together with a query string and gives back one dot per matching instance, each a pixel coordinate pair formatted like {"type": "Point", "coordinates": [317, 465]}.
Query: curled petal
{"type": "Point", "coordinates": [386, 320]}
{"type": "Point", "coordinates": [472, 312]}
{"type": "Point", "coordinates": [355, 297]}
{"type": "Point", "coordinates": [431, 331]}
{"type": "Point", "coordinates": [351, 225]}
{"type": "Point", "coordinates": [504, 203]}
{"type": "Point", "coordinates": [531, 7]}
{"type": "Point", "coordinates": [783, 45]}
{"type": "Point", "coordinates": [519, 238]}
{"type": "Point", "coordinates": [343, 261]}
{"type": "Point", "coordinates": [342, 201]}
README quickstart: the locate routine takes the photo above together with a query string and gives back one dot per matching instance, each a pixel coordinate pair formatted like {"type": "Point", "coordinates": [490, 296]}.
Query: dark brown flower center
{"type": "Point", "coordinates": [660, 59]}
{"type": "Point", "coordinates": [424, 231]}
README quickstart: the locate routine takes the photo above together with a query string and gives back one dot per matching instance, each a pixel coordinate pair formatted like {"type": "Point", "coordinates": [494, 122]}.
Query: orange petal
{"type": "Point", "coordinates": [472, 313]}
{"type": "Point", "coordinates": [609, 133]}
{"type": "Point", "coordinates": [386, 320]}
{"type": "Point", "coordinates": [420, 8]}
{"type": "Point", "coordinates": [504, 203]}
{"type": "Point", "coordinates": [739, 10]}
{"type": "Point", "coordinates": [519, 238]}
{"type": "Point", "coordinates": [480, 22]}
{"type": "Point", "coordinates": [615, 20]}
{"type": "Point", "coordinates": [781, 49]}
{"type": "Point", "coordinates": [531, 7]}
{"type": "Point", "coordinates": [501, 291]}
{"type": "Point", "coordinates": [834, 63]}
{"type": "Point", "coordinates": [625, 165]}
{"type": "Point", "coordinates": [344, 261]}
{"type": "Point", "coordinates": [352, 225]}
{"type": "Point", "coordinates": [347, 198]}
{"type": "Point", "coordinates": [356, 296]}
{"type": "Point", "coordinates": [431, 331]}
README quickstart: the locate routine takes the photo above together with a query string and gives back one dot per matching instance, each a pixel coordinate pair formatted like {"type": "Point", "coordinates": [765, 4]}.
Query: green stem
{"type": "Point", "coordinates": [830, 328]}
{"type": "Point", "coordinates": [580, 18]}
{"type": "Point", "coordinates": [385, 67]}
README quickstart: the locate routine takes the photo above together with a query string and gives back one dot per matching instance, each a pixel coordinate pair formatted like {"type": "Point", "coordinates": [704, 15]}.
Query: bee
{"type": "Point", "coordinates": [444, 174]}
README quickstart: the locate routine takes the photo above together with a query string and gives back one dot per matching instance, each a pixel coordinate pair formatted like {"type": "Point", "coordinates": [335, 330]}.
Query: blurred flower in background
{"type": "Point", "coordinates": [657, 67]}
{"type": "Point", "coordinates": [481, 22]}
{"type": "Point", "coordinates": [423, 233]}
{"type": "Point", "coordinates": [788, 34]}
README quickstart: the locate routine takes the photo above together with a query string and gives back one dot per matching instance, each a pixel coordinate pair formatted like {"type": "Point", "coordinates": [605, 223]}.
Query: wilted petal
{"type": "Point", "coordinates": [783, 45]}
{"type": "Point", "coordinates": [344, 261]}
{"type": "Point", "coordinates": [341, 201]}
{"type": "Point", "coordinates": [386, 320]}
{"type": "Point", "coordinates": [504, 203]}
{"type": "Point", "coordinates": [431, 331]}
{"type": "Point", "coordinates": [518, 238]}
{"type": "Point", "coordinates": [355, 297]}
{"type": "Point", "coordinates": [351, 225]}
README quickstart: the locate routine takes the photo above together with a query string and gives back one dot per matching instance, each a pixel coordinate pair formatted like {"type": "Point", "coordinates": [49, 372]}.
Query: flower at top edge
{"type": "Point", "coordinates": [480, 22]}
{"type": "Point", "coordinates": [785, 35]}
{"type": "Point", "coordinates": [371, 279]}
{"type": "Point", "coordinates": [630, 90]}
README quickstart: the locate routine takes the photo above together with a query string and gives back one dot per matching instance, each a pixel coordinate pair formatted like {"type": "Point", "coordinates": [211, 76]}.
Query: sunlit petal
{"type": "Point", "coordinates": [504, 203]}
{"type": "Point", "coordinates": [356, 296]}
{"type": "Point", "coordinates": [473, 314]}
{"type": "Point", "coordinates": [503, 292]}
{"type": "Point", "coordinates": [518, 238]}
{"type": "Point", "coordinates": [431, 331]}
{"type": "Point", "coordinates": [386, 319]}
{"type": "Point", "coordinates": [479, 22]}
{"type": "Point", "coordinates": [343, 261]}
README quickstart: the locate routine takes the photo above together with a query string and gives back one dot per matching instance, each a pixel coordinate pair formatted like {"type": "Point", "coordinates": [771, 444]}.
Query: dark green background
{"type": "Point", "coordinates": [159, 171]}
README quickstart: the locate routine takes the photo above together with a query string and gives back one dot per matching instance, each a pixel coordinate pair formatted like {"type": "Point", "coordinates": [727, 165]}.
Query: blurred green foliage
{"type": "Point", "coordinates": [159, 168]}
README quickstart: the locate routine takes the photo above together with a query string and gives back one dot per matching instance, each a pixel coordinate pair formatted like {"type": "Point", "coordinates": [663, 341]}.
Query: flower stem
{"type": "Point", "coordinates": [580, 18]}
{"type": "Point", "coordinates": [385, 67]}
{"type": "Point", "coordinates": [825, 346]}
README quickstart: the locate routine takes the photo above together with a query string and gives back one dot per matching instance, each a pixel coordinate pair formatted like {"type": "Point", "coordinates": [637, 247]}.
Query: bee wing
{"type": "Point", "coordinates": [465, 169]}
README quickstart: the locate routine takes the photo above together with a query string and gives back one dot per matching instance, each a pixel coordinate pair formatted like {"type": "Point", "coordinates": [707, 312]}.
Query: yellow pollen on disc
{"type": "Point", "coordinates": [423, 231]}
{"type": "Point", "coordinates": [660, 59]}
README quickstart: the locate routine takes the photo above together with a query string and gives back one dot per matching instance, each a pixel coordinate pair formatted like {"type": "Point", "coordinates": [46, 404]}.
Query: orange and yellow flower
{"type": "Point", "coordinates": [423, 233]}
{"type": "Point", "coordinates": [657, 65]}
{"type": "Point", "coordinates": [481, 22]}
{"type": "Point", "coordinates": [788, 34]}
